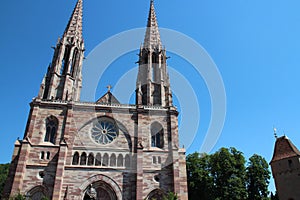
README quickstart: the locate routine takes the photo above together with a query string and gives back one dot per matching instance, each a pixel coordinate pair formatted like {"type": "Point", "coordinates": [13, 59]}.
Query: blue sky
{"type": "Point", "coordinates": [255, 44]}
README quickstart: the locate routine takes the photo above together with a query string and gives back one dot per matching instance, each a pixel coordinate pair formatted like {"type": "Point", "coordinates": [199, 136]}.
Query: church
{"type": "Point", "coordinates": [105, 149]}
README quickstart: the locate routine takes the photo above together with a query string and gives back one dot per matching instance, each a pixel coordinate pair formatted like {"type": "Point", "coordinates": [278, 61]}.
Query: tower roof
{"type": "Point", "coordinates": [74, 27]}
{"type": "Point", "coordinates": [284, 148]}
{"type": "Point", "coordinates": [152, 37]}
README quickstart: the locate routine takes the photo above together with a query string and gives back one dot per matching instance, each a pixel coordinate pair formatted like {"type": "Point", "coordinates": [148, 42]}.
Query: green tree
{"type": "Point", "coordinates": [3, 175]}
{"type": "Point", "coordinates": [200, 181]}
{"type": "Point", "coordinates": [170, 196]}
{"type": "Point", "coordinates": [229, 174]}
{"type": "Point", "coordinates": [18, 197]}
{"type": "Point", "coordinates": [258, 176]}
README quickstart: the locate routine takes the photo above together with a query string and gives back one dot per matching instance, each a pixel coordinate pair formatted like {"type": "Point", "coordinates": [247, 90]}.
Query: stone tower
{"type": "Point", "coordinates": [63, 79]}
{"type": "Point", "coordinates": [87, 150]}
{"type": "Point", "coordinates": [285, 166]}
{"type": "Point", "coordinates": [153, 84]}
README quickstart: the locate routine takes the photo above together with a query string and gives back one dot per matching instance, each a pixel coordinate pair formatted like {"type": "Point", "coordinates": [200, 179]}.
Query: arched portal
{"type": "Point", "coordinates": [99, 191]}
{"type": "Point", "coordinates": [100, 187]}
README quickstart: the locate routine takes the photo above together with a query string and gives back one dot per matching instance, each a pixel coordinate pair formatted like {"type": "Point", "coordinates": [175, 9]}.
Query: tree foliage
{"type": "Point", "coordinates": [18, 197]}
{"type": "Point", "coordinates": [200, 181]}
{"type": "Point", "coordinates": [258, 177]}
{"type": "Point", "coordinates": [170, 196]}
{"type": "Point", "coordinates": [224, 175]}
{"type": "Point", "coordinates": [3, 175]}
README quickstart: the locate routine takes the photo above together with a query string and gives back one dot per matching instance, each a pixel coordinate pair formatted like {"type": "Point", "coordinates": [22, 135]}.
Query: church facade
{"type": "Point", "coordinates": [103, 149]}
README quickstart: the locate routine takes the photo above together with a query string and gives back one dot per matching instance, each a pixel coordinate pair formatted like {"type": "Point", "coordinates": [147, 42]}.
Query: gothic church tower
{"type": "Point", "coordinates": [63, 79]}
{"type": "Point", "coordinates": [74, 150]}
{"type": "Point", "coordinates": [153, 84]}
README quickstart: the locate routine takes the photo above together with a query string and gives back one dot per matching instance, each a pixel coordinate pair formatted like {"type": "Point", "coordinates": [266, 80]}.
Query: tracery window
{"type": "Point", "coordinates": [104, 131]}
{"type": "Point", "coordinates": [51, 129]}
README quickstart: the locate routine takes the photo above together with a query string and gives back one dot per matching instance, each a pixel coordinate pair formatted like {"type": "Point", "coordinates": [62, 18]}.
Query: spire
{"type": "Point", "coordinates": [153, 85]}
{"type": "Point", "coordinates": [152, 37]}
{"type": "Point", "coordinates": [74, 27]}
{"type": "Point", "coordinates": [64, 78]}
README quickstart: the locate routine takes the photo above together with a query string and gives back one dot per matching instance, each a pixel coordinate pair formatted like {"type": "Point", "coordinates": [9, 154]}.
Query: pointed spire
{"type": "Point", "coordinates": [74, 27]}
{"type": "Point", "coordinates": [152, 37]}
{"type": "Point", "coordinates": [63, 81]}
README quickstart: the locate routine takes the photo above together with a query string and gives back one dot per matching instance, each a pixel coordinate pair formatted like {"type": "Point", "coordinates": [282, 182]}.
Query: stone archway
{"type": "Point", "coordinates": [156, 194]}
{"type": "Point", "coordinates": [99, 191]}
{"type": "Point", "coordinates": [103, 186]}
{"type": "Point", "coordinates": [37, 193]}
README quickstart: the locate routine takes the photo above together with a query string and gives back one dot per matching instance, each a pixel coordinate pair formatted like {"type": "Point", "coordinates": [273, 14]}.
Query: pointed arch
{"type": "Point", "coordinates": [75, 62]}
{"type": "Point", "coordinates": [65, 60]}
{"type": "Point", "coordinates": [51, 129]}
{"type": "Point", "coordinates": [101, 181]}
{"type": "Point", "coordinates": [122, 129]}
{"type": "Point", "coordinates": [37, 193]}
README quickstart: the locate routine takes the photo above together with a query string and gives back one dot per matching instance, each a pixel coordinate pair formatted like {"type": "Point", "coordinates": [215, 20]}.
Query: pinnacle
{"type": "Point", "coordinates": [152, 37]}
{"type": "Point", "coordinates": [74, 27]}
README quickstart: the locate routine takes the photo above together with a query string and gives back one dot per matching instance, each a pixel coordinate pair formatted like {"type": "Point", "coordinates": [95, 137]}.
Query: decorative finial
{"type": "Point", "coordinates": [275, 132]}
{"type": "Point", "coordinates": [109, 87]}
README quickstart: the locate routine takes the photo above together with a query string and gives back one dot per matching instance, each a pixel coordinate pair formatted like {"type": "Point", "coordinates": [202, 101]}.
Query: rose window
{"type": "Point", "coordinates": [104, 131]}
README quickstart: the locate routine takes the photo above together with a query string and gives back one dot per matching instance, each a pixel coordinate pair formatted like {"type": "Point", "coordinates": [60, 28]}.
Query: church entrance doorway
{"type": "Point", "coordinates": [99, 191]}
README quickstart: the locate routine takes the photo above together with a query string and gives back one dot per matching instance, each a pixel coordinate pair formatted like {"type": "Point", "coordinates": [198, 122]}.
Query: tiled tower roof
{"type": "Point", "coordinates": [284, 148]}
